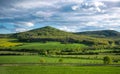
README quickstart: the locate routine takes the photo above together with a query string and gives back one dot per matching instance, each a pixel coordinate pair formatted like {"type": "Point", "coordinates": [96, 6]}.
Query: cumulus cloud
{"type": "Point", "coordinates": [28, 24]}
{"type": "Point", "coordinates": [31, 4]}
{"type": "Point", "coordinates": [90, 5]}
{"type": "Point", "coordinates": [75, 7]}
{"type": "Point", "coordinates": [69, 28]}
{"type": "Point", "coordinates": [69, 15]}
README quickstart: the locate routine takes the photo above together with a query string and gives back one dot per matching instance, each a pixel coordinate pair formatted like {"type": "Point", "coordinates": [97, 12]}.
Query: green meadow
{"type": "Point", "coordinates": [36, 59]}
{"type": "Point", "coordinates": [13, 44]}
{"type": "Point", "coordinates": [49, 45]}
{"type": "Point", "coordinates": [59, 70]}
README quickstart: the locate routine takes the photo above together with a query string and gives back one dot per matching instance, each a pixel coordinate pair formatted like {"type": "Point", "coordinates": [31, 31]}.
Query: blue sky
{"type": "Point", "coordinates": [67, 15]}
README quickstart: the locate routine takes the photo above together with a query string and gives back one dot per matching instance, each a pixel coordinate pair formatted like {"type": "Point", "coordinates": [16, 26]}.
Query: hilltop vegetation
{"type": "Point", "coordinates": [52, 34]}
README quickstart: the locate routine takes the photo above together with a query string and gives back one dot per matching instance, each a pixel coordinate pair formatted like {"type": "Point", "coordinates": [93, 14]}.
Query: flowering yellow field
{"type": "Point", "coordinates": [4, 42]}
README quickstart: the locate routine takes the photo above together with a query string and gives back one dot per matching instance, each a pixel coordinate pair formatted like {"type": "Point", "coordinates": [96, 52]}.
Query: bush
{"type": "Point", "coordinates": [60, 60]}
{"type": "Point", "coordinates": [42, 60]}
{"type": "Point", "coordinates": [107, 60]}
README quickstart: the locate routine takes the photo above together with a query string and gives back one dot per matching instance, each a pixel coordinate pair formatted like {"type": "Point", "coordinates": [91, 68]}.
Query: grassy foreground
{"type": "Point", "coordinates": [59, 70]}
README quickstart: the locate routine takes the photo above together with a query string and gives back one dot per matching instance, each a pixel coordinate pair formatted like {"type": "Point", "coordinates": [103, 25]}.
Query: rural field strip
{"type": "Point", "coordinates": [56, 64]}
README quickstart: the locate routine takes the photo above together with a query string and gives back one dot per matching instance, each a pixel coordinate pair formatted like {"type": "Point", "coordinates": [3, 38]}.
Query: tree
{"type": "Point", "coordinates": [60, 60]}
{"type": "Point", "coordinates": [107, 60]}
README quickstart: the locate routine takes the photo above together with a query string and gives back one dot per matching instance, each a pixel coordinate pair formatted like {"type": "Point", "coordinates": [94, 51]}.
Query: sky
{"type": "Point", "coordinates": [68, 15]}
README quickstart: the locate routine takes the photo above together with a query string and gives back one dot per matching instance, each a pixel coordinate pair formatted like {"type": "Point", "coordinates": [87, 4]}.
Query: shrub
{"type": "Point", "coordinates": [107, 60]}
{"type": "Point", "coordinates": [42, 60]}
{"type": "Point", "coordinates": [60, 60]}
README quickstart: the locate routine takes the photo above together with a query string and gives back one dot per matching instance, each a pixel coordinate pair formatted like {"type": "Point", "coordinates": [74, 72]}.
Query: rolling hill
{"type": "Point", "coordinates": [38, 38]}
{"type": "Point", "coordinates": [48, 33]}
{"type": "Point", "coordinates": [102, 33]}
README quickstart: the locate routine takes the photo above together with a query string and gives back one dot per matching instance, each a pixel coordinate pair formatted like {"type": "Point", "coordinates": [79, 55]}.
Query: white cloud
{"type": "Point", "coordinates": [97, 4]}
{"type": "Point", "coordinates": [69, 28]}
{"type": "Point", "coordinates": [109, 0]}
{"type": "Point", "coordinates": [44, 14]}
{"type": "Point", "coordinates": [92, 24]}
{"type": "Point", "coordinates": [20, 29]}
{"type": "Point", "coordinates": [30, 4]}
{"type": "Point", "coordinates": [29, 24]}
{"type": "Point", "coordinates": [70, 1]}
{"type": "Point", "coordinates": [75, 7]}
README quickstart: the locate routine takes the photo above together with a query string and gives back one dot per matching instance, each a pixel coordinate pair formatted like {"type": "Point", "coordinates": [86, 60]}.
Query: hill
{"type": "Point", "coordinates": [36, 39]}
{"type": "Point", "coordinates": [42, 34]}
{"type": "Point", "coordinates": [48, 33]}
{"type": "Point", "coordinates": [102, 33]}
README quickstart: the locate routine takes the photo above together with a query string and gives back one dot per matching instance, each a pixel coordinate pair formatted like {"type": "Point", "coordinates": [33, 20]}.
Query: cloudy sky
{"type": "Point", "coordinates": [68, 15]}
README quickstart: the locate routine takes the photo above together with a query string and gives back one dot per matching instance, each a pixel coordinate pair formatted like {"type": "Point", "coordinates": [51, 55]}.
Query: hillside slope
{"type": "Point", "coordinates": [48, 33]}
{"type": "Point", "coordinates": [102, 33]}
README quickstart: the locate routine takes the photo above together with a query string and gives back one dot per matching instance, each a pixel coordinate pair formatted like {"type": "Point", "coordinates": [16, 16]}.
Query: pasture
{"type": "Point", "coordinates": [36, 59]}
{"type": "Point", "coordinates": [13, 44]}
{"type": "Point", "coordinates": [30, 57]}
{"type": "Point", "coordinates": [59, 70]}
{"type": "Point", "coordinates": [54, 59]}
{"type": "Point", "coordinates": [50, 45]}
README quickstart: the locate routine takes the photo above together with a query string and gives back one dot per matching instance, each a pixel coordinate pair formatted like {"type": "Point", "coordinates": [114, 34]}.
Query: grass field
{"type": "Point", "coordinates": [36, 59]}
{"type": "Point", "coordinates": [89, 56]}
{"type": "Point", "coordinates": [59, 70]}
{"type": "Point", "coordinates": [16, 64]}
{"type": "Point", "coordinates": [12, 43]}
{"type": "Point", "coordinates": [50, 45]}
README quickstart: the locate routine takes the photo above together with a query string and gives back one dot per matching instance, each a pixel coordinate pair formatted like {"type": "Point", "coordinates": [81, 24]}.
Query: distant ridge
{"type": "Point", "coordinates": [101, 33]}
{"type": "Point", "coordinates": [51, 31]}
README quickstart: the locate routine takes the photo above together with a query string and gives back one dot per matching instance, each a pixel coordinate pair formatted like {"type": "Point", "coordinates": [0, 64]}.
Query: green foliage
{"type": "Point", "coordinates": [60, 60]}
{"type": "Point", "coordinates": [107, 60]}
{"type": "Point", "coordinates": [42, 60]}
{"type": "Point", "coordinates": [52, 34]}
